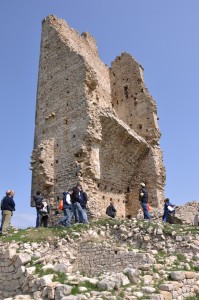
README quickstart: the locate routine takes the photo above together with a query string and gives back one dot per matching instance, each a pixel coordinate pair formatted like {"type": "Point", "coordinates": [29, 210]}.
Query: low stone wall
{"type": "Point", "coordinates": [12, 272]}
{"type": "Point", "coordinates": [94, 258]}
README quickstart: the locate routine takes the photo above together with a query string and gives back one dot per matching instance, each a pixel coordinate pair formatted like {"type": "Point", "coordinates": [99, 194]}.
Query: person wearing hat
{"type": "Point", "coordinates": [143, 198]}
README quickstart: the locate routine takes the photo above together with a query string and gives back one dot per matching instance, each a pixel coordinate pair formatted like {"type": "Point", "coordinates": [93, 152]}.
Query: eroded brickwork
{"type": "Point", "coordinates": [97, 124]}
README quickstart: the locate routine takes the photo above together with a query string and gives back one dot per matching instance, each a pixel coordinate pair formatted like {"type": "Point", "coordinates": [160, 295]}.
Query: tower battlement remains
{"type": "Point", "coordinates": [94, 125]}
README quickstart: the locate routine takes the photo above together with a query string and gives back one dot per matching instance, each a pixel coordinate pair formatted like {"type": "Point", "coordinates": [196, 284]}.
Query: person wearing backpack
{"type": "Point", "coordinates": [39, 205]}
{"type": "Point", "coordinates": [67, 208]}
{"type": "Point", "coordinates": [143, 198]}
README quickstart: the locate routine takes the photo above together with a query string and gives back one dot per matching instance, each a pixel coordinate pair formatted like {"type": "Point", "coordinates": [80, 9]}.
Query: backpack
{"type": "Point", "coordinates": [44, 209]}
{"type": "Point", "coordinates": [61, 205]}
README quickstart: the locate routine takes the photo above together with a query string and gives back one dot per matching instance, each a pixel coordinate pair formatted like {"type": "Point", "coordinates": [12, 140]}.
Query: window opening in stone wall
{"type": "Point", "coordinates": [140, 126]}
{"type": "Point", "coordinates": [98, 185]}
{"type": "Point", "coordinates": [57, 145]}
{"type": "Point", "coordinates": [73, 135]}
{"type": "Point", "coordinates": [115, 251]}
{"type": "Point", "coordinates": [66, 121]}
{"type": "Point", "coordinates": [118, 200]}
{"type": "Point", "coordinates": [126, 93]}
{"type": "Point", "coordinates": [56, 161]}
{"type": "Point", "coordinates": [111, 199]}
{"type": "Point", "coordinates": [103, 197]}
{"type": "Point", "coordinates": [57, 198]}
{"type": "Point", "coordinates": [128, 189]}
{"type": "Point", "coordinates": [41, 161]}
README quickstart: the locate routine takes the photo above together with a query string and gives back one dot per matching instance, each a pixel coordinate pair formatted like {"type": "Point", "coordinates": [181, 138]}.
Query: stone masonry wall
{"type": "Point", "coordinates": [94, 258]}
{"type": "Point", "coordinates": [98, 124]}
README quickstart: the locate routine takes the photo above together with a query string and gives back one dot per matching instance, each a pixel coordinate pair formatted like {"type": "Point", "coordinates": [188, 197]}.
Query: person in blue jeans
{"type": "Point", "coordinates": [67, 208]}
{"type": "Point", "coordinates": [169, 211]}
{"type": "Point", "coordinates": [38, 204]}
{"type": "Point", "coordinates": [143, 198]}
{"type": "Point", "coordinates": [76, 206]}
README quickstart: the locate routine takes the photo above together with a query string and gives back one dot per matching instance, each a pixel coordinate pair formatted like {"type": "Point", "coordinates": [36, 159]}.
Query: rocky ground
{"type": "Point", "coordinates": [61, 263]}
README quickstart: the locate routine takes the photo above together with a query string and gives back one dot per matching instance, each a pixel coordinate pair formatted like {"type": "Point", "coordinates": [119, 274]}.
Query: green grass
{"type": "Point", "coordinates": [75, 290]}
{"type": "Point", "coordinates": [181, 257]}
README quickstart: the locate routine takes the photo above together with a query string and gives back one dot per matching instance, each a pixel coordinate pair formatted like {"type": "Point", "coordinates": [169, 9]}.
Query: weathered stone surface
{"type": "Point", "coordinates": [177, 275]}
{"type": "Point", "coordinates": [62, 290]}
{"type": "Point", "coordinates": [22, 259]}
{"type": "Point", "coordinates": [81, 103]}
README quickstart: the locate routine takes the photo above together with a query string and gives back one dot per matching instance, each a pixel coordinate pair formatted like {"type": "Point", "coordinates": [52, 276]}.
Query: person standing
{"type": "Point", "coordinates": [44, 213]}
{"type": "Point", "coordinates": [111, 211]}
{"type": "Point", "coordinates": [83, 202]}
{"type": "Point", "coordinates": [76, 200]}
{"type": "Point", "coordinates": [67, 208]}
{"type": "Point", "coordinates": [143, 198]}
{"type": "Point", "coordinates": [8, 206]}
{"type": "Point", "coordinates": [39, 205]}
{"type": "Point", "coordinates": [169, 211]}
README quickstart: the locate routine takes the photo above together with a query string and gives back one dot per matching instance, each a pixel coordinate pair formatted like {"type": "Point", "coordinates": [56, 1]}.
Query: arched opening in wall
{"type": "Point", "coordinates": [126, 93]}
{"type": "Point", "coordinates": [129, 217]}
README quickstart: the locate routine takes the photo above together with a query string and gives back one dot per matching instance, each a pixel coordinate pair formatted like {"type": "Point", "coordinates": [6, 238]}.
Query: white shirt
{"type": "Point", "coordinates": [68, 199]}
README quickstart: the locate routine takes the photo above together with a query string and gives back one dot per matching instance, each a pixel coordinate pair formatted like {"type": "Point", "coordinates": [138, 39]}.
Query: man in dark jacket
{"type": "Point", "coordinates": [7, 206]}
{"type": "Point", "coordinates": [111, 211]}
{"type": "Point", "coordinates": [169, 211]}
{"type": "Point", "coordinates": [39, 205]}
{"type": "Point", "coordinates": [143, 198]}
{"type": "Point", "coordinates": [76, 206]}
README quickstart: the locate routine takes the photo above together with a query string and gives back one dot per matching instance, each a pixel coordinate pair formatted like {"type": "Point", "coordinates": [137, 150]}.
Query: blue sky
{"type": "Point", "coordinates": [161, 35]}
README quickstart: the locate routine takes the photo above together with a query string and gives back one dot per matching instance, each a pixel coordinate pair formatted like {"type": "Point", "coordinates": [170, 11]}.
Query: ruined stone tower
{"type": "Point", "coordinates": [94, 124]}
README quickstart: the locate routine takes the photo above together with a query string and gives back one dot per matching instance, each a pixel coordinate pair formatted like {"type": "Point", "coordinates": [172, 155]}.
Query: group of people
{"type": "Point", "coordinates": [169, 208]}
{"type": "Point", "coordinates": [7, 208]}
{"type": "Point", "coordinates": [74, 204]}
